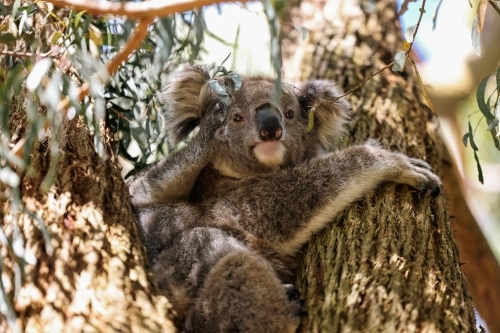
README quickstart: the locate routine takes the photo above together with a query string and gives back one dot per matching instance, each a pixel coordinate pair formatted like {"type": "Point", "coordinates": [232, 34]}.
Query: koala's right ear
{"type": "Point", "coordinates": [331, 113]}
{"type": "Point", "coordinates": [186, 95]}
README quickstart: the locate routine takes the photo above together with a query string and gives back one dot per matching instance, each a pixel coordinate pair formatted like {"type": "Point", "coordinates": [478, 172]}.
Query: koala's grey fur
{"type": "Point", "coordinates": [222, 218]}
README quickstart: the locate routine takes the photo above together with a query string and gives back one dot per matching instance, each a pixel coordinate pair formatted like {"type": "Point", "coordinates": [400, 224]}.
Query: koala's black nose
{"type": "Point", "coordinates": [269, 124]}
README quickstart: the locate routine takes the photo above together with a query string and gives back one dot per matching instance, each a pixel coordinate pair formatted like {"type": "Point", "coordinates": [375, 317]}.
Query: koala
{"type": "Point", "coordinates": [223, 218]}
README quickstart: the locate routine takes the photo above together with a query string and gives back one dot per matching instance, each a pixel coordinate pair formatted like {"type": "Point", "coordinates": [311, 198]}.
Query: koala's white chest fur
{"type": "Point", "coordinates": [222, 218]}
{"type": "Point", "coordinates": [271, 153]}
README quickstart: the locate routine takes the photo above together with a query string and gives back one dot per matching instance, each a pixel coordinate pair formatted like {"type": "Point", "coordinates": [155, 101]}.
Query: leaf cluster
{"type": "Point", "coordinates": [490, 109]}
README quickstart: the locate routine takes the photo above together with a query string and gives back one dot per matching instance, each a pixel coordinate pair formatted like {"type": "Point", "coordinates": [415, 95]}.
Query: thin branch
{"type": "Point", "coordinates": [120, 115]}
{"type": "Point", "coordinates": [473, 113]}
{"type": "Point", "coordinates": [422, 10]}
{"type": "Point", "coordinates": [138, 10]}
{"type": "Point", "coordinates": [140, 32]}
{"type": "Point", "coordinates": [477, 125]}
{"type": "Point", "coordinates": [18, 54]}
{"type": "Point", "coordinates": [25, 54]}
{"type": "Point", "coordinates": [495, 6]}
{"type": "Point", "coordinates": [364, 81]}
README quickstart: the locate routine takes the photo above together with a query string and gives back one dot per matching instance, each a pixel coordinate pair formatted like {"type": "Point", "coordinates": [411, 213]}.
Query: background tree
{"type": "Point", "coordinates": [389, 264]}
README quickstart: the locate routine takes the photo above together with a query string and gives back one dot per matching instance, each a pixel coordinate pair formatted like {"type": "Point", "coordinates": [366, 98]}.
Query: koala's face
{"type": "Point", "coordinates": [257, 136]}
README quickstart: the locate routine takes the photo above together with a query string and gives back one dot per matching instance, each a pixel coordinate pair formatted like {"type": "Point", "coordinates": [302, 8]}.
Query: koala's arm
{"type": "Point", "coordinates": [173, 179]}
{"type": "Point", "coordinates": [286, 208]}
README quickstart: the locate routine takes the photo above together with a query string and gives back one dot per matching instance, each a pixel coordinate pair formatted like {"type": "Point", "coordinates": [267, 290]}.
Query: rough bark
{"type": "Point", "coordinates": [96, 280]}
{"type": "Point", "coordinates": [389, 264]}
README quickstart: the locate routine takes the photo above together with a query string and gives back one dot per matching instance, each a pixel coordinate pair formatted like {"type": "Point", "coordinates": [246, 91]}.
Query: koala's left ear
{"type": "Point", "coordinates": [186, 95]}
{"type": "Point", "coordinates": [331, 114]}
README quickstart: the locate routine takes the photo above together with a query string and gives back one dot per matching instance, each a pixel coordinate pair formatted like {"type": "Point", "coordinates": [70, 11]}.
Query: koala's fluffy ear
{"type": "Point", "coordinates": [186, 96]}
{"type": "Point", "coordinates": [331, 115]}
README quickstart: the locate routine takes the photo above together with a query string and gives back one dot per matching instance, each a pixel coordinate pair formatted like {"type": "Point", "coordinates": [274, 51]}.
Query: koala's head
{"type": "Point", "coordinates": [257, 135]}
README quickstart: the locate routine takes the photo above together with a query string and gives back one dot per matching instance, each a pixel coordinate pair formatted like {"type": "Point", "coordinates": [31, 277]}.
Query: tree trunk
{"type": "Point", "coordinates": [95, 280]}
{"type": "Point", "coordinates": [389, 264]}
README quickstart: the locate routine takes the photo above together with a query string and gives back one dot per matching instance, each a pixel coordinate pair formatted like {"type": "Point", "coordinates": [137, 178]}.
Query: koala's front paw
{"type": "Point", "coordinates": [417, 173]}
{"type": "Point", "coordinates": [212, 121]}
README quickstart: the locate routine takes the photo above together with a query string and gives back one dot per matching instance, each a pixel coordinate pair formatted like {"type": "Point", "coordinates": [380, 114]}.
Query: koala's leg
{"type": "Point", "coordinates": [287, 207]}
{"type": "Point", "coordinates": [243, 294]}
{"type": "Point", "coordinates": [159, 224]}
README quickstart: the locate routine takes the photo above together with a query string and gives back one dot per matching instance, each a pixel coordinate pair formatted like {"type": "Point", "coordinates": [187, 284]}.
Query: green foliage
{"type": "Point", "coordinates": [489, 106]}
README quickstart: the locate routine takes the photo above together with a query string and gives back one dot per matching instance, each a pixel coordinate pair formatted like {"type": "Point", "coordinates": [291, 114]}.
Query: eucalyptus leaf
{"type": "Point", "coordinates": [404, 7]}
{"type": "Point", "coordinates": [55, 37]}
{"type": "Point", "coordinates": [479, 169]}
{"type": "Point", "coordinates": [15, 7]}
{"type": "Point", "coordinates": [237, 80]}
{"type": "Point", "coordinates": [410, 33]}
{"type": "Point", "coordinates": [124, 102]}
{"type": "Point", "coordinates": [221, 90]}
{"type": "Point", "coordinates": [483, 107]}
{"type": "Point", "coordinates": [492, 125]}
{"type": "Point", "coordinates": [37, 73]}
{"type": "Point", "coordinates": [399, 61]}
{"type": "Point", "coordinates": [435, 15]}
{"type": "Point", "coordinates": [287, 87]}
{"type": "Point", "coordinates": [12, 27]}
{"type": "Point", "coordinates": [21, 23]}
{"type": "Point", "coordinates": [465, 138]}
{"type": "Point", "coordinates": [139, 135]}
{"type": "Point", "coordinates": [476, 37]}
{"type": "Point", "coordinates": [302, 30]}
{"type": "Point", "coordinates": [78, 18]}
{"type": "Point", "coordinates": [310, 119]}
{"type": "Point", "coordinates": [471, 138]}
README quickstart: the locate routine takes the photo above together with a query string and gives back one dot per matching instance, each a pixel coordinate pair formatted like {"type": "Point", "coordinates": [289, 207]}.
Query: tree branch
{"type": "Point", "coordinates": [495, 6]}
{"type": "Point", "coordinates": [422, 10]}
{"type": "Point", "coordinates": [139, 10]}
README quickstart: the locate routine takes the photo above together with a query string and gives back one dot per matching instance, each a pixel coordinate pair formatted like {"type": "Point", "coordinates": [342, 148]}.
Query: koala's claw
{"type": "Point", "coordinates": [291, 292]}
{"type": "Point", "coordinates": [431, 184]}
{"type": "Point", "coordinates": [417, 173]}
{"type": "Point", "coordinates": [420, 163]}
{"type": "Point", "coordinates": [435, 192]}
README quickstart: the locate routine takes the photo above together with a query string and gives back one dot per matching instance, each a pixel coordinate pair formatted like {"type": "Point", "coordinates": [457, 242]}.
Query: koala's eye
{"type": "Point", "coordinates": [237, 118]}
{"type": "Point", "coordinates": [289, 114]}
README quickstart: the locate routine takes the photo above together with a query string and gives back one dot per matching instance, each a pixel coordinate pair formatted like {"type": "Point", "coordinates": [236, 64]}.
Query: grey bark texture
{"type": "Point", "coordinates": [97, 278]}
{"type": "Point", "coordinates": [389, 264]}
